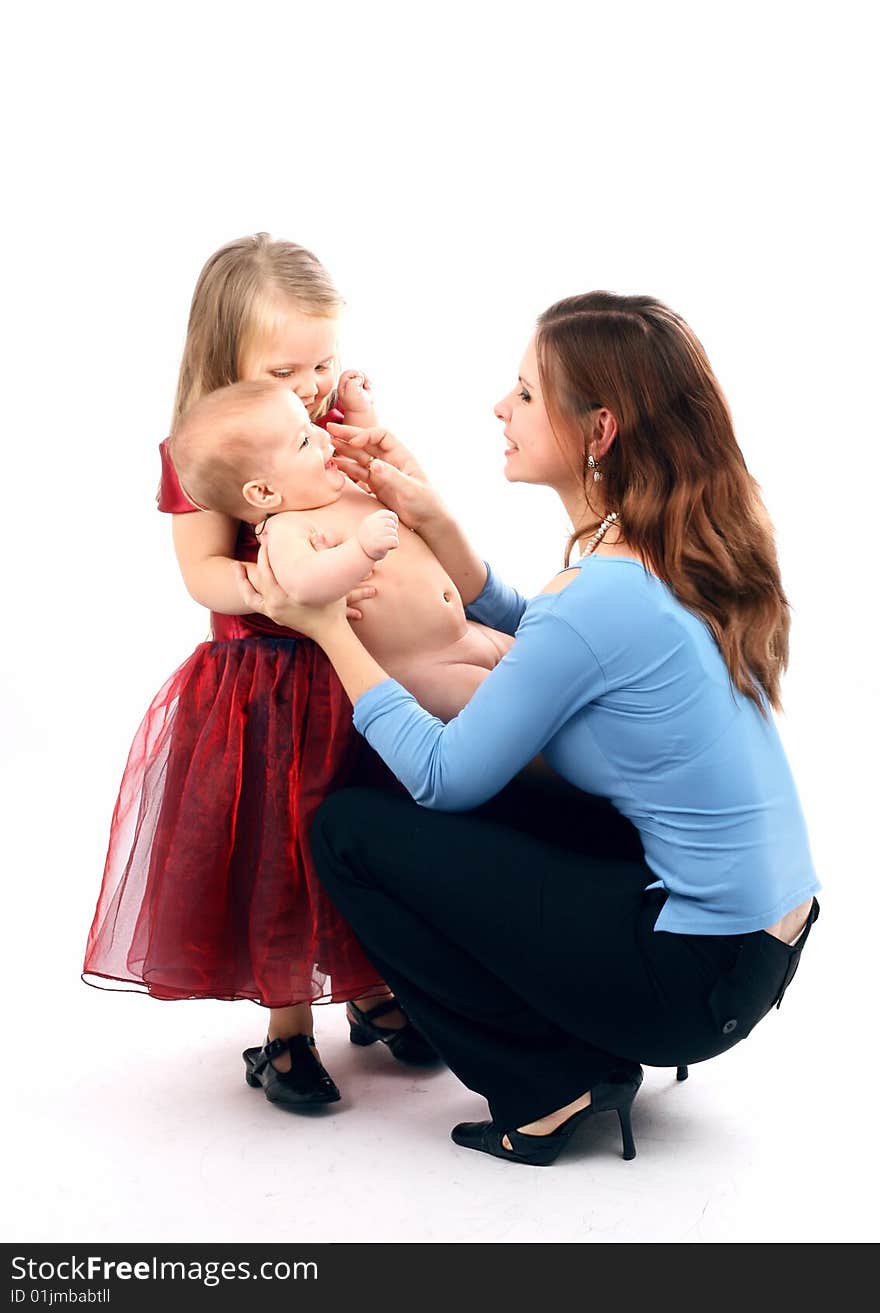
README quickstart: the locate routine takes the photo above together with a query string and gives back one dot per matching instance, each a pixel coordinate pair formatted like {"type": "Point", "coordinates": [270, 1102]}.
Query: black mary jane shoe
{"type": "Point", "coordinates": [616, 1094]}
{"type": "Point", "coordinates": [306, 1085]}
{"type": "Point", "coordinates": [406, 1044]}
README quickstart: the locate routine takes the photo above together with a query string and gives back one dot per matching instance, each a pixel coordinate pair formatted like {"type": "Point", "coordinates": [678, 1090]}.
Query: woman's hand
{"type": "Point", "coordinates": [252, 601]}
{"type": "Point", "coordinates": [364, 445]}
{"type": "Point", "coordinates": [381, 465]}
{"type": "Point", "coordinates": [264, 594]}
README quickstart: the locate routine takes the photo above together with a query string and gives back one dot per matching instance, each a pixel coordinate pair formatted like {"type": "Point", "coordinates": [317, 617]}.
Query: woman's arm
{"type": "Point", "coordinates": [380, 462]}
{"type": "Point", "coordinates": [450, 544]}
{"type": "Point", "coordinates": [488, 600]}
{"type": "Point", "coordinates": [548, 676]}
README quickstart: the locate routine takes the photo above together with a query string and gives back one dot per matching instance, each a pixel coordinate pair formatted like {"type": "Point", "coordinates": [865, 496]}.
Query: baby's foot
{"type": "Point", "coordinates": [378, 534]}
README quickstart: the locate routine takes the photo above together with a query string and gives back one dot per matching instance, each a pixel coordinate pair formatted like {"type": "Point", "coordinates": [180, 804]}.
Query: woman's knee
{"type": "Point", "coordinates": [340, 816]}
{"type": "Point", "coordinates": [347, 826]}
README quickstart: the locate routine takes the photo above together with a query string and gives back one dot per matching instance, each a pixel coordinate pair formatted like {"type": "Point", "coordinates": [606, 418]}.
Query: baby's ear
{"type": "Point", "coordinates": [260, 495]}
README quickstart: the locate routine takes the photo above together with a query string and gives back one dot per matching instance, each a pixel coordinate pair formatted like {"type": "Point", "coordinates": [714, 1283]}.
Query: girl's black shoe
{"type": "Point", "coordinates": [615, 1094]}
{"type": "Point", "coordinates": [305, 1085]}
{"type": "Point", "coordinates": [407, 1044]}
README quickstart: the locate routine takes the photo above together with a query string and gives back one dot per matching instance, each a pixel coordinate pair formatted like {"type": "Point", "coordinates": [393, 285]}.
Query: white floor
{"type": "Point", "coordinates": [131, 1121]}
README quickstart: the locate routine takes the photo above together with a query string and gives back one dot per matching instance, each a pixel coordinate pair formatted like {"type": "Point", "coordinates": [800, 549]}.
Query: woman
{"type": "Point", "coordinates": [543, 969]}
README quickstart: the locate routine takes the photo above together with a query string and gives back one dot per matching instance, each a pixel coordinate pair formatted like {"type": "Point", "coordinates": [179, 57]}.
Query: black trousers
{"type": "Point", "coordinates": [533, 965]}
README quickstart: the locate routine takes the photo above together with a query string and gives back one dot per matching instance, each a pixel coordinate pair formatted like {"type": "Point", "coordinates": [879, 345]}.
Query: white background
{"type": "Point", "coordinates": [457, 168]}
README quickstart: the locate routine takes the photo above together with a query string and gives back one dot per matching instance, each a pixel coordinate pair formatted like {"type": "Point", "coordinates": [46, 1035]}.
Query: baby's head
{"type": "Point", "coordinates": [262, 310]}
{"type": "Point", "coordinates": [250, 449]}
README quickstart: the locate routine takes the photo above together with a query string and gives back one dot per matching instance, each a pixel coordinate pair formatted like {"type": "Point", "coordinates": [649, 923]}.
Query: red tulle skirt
{"type": "Point", "coordinates": [209, 889]}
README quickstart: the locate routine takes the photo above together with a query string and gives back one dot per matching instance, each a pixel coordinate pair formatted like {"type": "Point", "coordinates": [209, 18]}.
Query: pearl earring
{"type": "Point", "coordinates": [592, 464]}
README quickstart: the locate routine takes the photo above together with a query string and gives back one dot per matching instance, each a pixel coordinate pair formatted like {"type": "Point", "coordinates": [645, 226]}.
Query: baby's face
{"type": "Point", "coordinates": [303, 470]}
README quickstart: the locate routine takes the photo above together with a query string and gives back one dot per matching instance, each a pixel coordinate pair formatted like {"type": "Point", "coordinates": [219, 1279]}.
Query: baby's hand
{"type": "Point", "coordinates": [378, 534]}
{"type": "Point", "coordinates": [354, 396]}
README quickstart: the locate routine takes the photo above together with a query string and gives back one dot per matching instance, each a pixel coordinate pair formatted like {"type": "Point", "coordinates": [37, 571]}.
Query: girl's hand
{"type": "Point", "coordinates": [354, 396]}
{"type": "Point", "coordinates": [266, 596]}
{"type": "Point", "coordinates": [355, 597]}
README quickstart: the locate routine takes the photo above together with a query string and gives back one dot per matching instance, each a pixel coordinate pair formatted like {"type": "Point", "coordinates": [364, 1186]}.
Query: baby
{"type": "Point", "coordinates": [251, 451]}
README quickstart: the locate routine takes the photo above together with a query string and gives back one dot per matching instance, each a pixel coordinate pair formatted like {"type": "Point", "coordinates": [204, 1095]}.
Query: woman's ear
{"type": "Point", "coordinates": [604, 433]}
{"type": "Point", "coordinates": [260, 495]}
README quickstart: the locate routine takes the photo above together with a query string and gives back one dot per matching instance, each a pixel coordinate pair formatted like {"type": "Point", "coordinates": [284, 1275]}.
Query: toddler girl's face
{"type": "Point", "coordinates": [299, 352]}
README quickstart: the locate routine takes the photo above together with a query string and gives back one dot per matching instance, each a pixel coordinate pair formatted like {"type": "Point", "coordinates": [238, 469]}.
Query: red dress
{"type": "Point", "coordinates": [209, 889]}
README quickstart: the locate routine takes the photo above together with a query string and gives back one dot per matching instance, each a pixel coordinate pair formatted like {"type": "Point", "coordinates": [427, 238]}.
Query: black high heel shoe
{"type": "Point", "coordinates": [616, 1094]}
{"type": "Point", "coordinates": [307, 1083]}
{"type": "Point", "coordinates": [406, 1044]}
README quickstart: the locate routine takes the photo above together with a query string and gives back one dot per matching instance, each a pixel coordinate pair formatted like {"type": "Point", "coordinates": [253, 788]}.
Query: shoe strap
{"type": "Point", "coordinates": [272, 1048]}
{"type": "Point", "coordinates": [380, 1010]}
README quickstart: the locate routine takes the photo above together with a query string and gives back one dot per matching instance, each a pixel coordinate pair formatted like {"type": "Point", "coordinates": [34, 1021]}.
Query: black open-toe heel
{"type": "Point", "coordinates": [306, 1085]}
{"type": "Point", "coordinates": [406, 1044]}
{"type": "Point", "coordinates": [616, 1094]}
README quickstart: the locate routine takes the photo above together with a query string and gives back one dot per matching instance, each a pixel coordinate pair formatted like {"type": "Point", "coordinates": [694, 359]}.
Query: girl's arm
{"type": "Point", "coordinates": [204, 542]}
{"type": "Point", "coordinates": [310, 571]}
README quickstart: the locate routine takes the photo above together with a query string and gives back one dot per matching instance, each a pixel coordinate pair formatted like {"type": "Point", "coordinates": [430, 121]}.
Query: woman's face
{"type": "Point", "coordinates": [534, 454]}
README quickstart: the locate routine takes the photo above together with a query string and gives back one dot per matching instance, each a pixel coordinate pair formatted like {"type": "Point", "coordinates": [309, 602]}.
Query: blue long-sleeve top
{"type": "Point", "coordinates": [626, 694]}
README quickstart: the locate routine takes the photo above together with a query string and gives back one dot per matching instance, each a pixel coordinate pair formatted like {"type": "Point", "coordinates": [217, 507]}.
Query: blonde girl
{"type": "Point", "coordinates": [208, 888]}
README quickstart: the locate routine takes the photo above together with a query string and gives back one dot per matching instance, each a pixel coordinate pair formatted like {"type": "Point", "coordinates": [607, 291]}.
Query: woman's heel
{"type": "Point", "coordinates": [615, 1094]}
{"type": "Point", "coordinates": [618, 1094]}
{"type": "Point", "coordinates": [358, 1035]}
{"type": "Point", "coordinates": [624, 1114]}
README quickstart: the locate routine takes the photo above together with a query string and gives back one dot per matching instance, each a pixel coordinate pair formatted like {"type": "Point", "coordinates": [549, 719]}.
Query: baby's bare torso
{"type": "Point", "coordinates": [415, 626]}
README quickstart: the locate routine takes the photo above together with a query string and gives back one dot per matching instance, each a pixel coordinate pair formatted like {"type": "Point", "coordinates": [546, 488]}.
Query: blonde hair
{"type": "Point", "coordinates": [238, 300]}
{"type": "Point", "coordinates": [226, 439]}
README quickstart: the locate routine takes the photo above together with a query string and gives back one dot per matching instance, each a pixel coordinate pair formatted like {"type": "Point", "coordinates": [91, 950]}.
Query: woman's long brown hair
{"type": "Point", "coordinates": [674, 474]}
